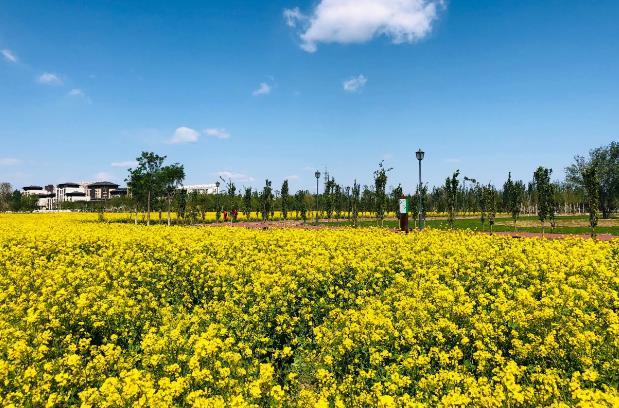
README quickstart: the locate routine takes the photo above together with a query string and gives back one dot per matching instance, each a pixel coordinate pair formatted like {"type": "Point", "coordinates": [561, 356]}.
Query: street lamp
{"type": "Point", "coordinates": [217, 184]}
{"type": "Point", "coordinates": [317, 175]}
{"type": "Point", "coordinates": [420, 155]}
{"type": "Point", "coordinates": [472, 180]}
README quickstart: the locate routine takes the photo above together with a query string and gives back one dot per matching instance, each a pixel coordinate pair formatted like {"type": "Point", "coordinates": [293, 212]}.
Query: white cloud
{"type": "Point", "coordinates": [354, 84]}
{"type": "Point", "coordinates": [47, 78]}
{"type": "Point", "coordinates": [358, 21]}
{"type": "Point", "coordinates": [263, 89]}
{"type": "Point", "coordinates": [125, 164]}
{"type": "Point", "coordinates": [9, 55]}
{"type": "Point", "coordinates": [103, 176]}
{"type": "Point", "coordinates": [239, 177]}
{"type": "Point", "coordinates": [184, 135]}
{"type": "Point", "coordinates": [9, 161]}
{"type": "Point", "coordinates": [292, 16]}
{"type": "Point", "coordinates": [78, 93]}
{"type": "Point", "coordinates": [218, 133]}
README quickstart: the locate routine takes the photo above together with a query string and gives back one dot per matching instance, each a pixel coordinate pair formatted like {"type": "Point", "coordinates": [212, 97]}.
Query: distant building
{"type": "Point", "coordinates": [119, 192]}
{"type": "Point", "coordinates": [46, 199]}
{"type": "Point", "coordinates": [70, 192]}
{"type": "Point", "coordinates": [101, 190]}
{"type": "Point", "coordinates": [200, 188]}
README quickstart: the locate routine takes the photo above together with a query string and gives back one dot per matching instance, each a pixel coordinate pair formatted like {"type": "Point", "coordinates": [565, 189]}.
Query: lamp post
{"type": "Point", "coordinates": [217, 184]}
{"type": "Point", "coordinates": [472, 180]}
{"type": "Point", "coordinates": [317, 175]}
{"type": "Point", "coordinates": [420, 155]}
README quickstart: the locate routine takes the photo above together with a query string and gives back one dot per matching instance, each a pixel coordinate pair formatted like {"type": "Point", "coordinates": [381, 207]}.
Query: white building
{"type": "Point", "coordinates": [70, 192]}
{"type": "Point", "coordinates": [100, 190]}
{"type": "Point", "coordinates": [201, 188]}
{"type": "Point", "coordinates": [46, 196]}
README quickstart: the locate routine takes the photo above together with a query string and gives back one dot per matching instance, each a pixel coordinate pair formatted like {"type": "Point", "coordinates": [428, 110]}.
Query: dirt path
{"type": "Point", "coordinates": [310, 226]}
{"type": "Point", "coordinates": [600, 237]}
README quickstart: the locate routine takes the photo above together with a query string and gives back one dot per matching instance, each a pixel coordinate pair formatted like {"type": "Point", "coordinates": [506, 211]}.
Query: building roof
{"type": "Point", "coordinates": [33, 188]}
{"type": "Point", "coordinates": [102, 184]}
{"type": "Point", "coordinates": [65, 185]}
{"type": "Point", "coordinates": [119, 192]}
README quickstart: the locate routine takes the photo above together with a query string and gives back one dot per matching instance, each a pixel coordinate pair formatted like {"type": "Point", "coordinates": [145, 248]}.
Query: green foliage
{"type": "Point", "coordinates": [513, 197]}
{"type": "Point", "coordinates": [380, 196]}
{"type": "Point", "coordinates": [266, 199]}
{"type": "Point", "coordinates": [301, 204]}
{"type": "Point", "coordinates": [146, 181]}
{"type": "Point", "coordinates": [354, 202]}
{"type": "Point", "coordinates": [419, 206]}
{"type": "Point", "coordinates": [285, 197]}
{"type": "Point", "coordinates": [5, 196]}
{"type": "Point", "coordinates": [451, 192]}
{"type": "Point", "coordinates": [396, 194]}
{"type": "Point", "coordinates": [247, 200]}
{"type": "Point", "coordinates": [592, 189]}
{"type": "Point", "coordinates": [605, 160]}
{"type": "Point", "coordinates": [489, 197]}
{"type": "Point", "coordinates": [545, 201]}
{"type": "Point", "coordinates": [329, 195]}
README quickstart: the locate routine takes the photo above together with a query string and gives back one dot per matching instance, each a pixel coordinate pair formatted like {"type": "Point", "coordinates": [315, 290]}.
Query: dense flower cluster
{"type": "Point", "coordinates": [97, 314]}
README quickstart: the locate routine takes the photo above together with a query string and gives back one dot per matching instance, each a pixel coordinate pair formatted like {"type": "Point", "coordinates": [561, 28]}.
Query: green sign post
{"type": "Point", "coordinates": [403, 214]}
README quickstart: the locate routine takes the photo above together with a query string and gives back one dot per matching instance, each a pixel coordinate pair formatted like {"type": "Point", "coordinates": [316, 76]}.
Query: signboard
{"type": "Point", "coordinates": [404, 206]}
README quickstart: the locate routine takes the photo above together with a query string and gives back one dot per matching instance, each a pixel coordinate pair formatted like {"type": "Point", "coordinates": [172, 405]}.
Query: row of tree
{"type": "Point", "coordinates": [15, 200]}
{"type": "Point", "coordinates": [591, 185]}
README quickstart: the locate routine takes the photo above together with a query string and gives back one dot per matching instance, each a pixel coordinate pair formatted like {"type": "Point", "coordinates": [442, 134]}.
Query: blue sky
{"type": "Point", "coordinates": [257, 89]}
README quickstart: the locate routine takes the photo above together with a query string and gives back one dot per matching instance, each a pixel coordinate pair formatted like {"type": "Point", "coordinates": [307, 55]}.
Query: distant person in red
{"type": "Point", "coordinates": [235, 214]}
{"type": "Point", "coordinates": [225, 216]}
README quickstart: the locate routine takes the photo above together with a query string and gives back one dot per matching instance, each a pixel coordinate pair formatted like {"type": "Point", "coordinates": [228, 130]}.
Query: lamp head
{"type": "Point", "coordinates": [420, 153]}
{"type": "Point", "coordinates": [217, 184]}
{"type": "Point", "coordinates": [317, 174]}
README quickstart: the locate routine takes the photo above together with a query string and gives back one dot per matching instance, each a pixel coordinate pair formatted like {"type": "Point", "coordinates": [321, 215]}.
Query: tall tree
{"type": "Point", "coordinates": [490, 204]}
{"type": "Point", "coordinates": [483, 209]}
{"type": "Point", "coordinates": [355, 202]}
{"type": "Point", "coordinates": [301, 204]}
{"type": "Point", "coordinates": [5, 196]}
{"type": "Point", "coordinates": [145, 180]}
{"type": "Point", "coordinates": [329, 195]}
{"type": "Point", "coordinates": [396, 194]}
{"type": "Point", "coordinates": [339, 202]}
{"type": "Point", "coordinates": [266, 200]}
{"type": "Point", "coordinates": [181, 205]}
{"type": "Point", "coordinates": [15, 203]}
{"type": "Point", "coordinates": [380, 198]}
{"type": "Point", "coordinates": [451, 191]}
{"type": "Point", "coordinates": [513, 197]}
{"type": "Point", "coordinates": [605, 160]}
{"type": "Point", "coordinates": [544, 192]}
{"type": "Point", "coordinates": [247, 202]}
{"type": "Point", "coordinates": [285, 198]}
{"type": "Point", "coordinates": [171, 178]}
{"type": "Point", "coordinates": [516, 200]}
{"type": "Point", "coordinates": [592, 190]}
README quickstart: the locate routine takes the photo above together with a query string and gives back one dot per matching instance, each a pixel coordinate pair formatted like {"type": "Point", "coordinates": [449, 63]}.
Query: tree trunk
{"type": "Point", "coordinates": [169, 219]}
{"type": "Point", "coordinates": [148, 210]}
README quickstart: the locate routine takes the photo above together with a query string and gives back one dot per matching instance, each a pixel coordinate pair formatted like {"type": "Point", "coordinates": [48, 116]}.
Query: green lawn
{"type": "Point", "coordinates": [475, 224]}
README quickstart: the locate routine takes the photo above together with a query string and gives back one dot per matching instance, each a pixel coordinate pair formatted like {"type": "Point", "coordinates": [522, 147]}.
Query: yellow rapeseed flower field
{"type": "Point", "coordinates": [97, 314]}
